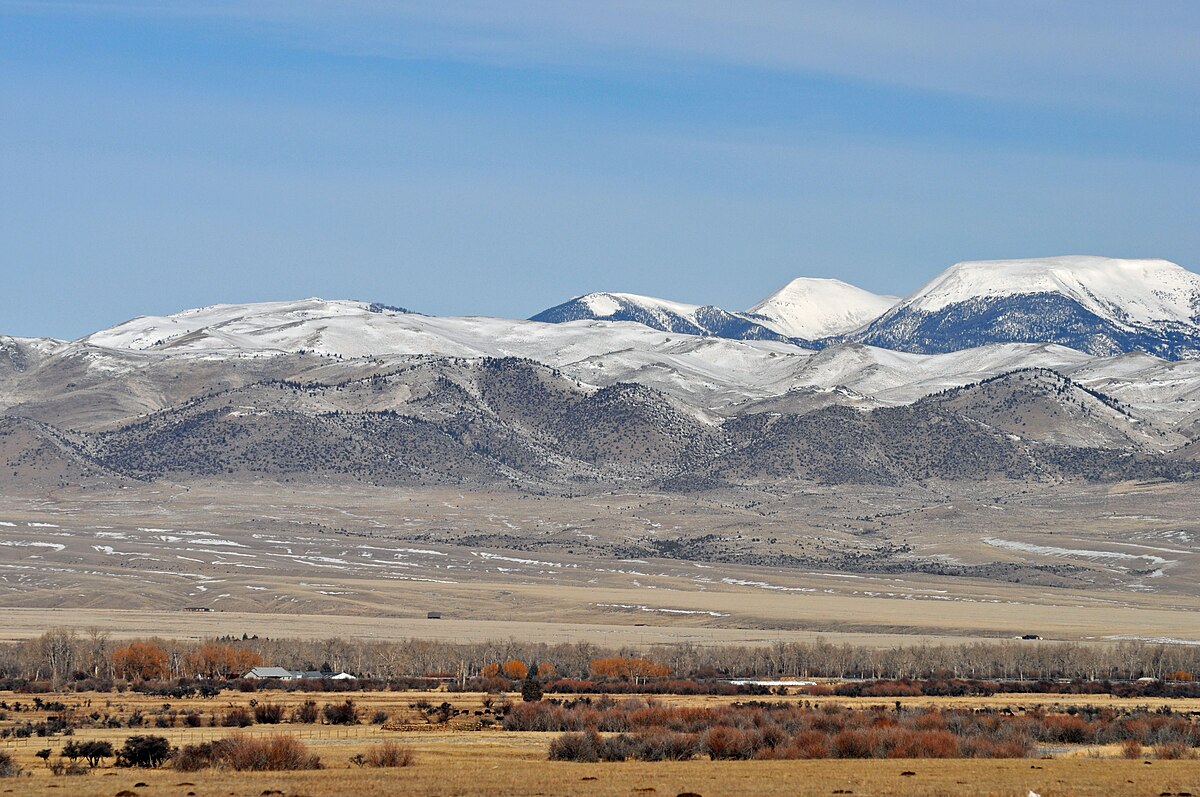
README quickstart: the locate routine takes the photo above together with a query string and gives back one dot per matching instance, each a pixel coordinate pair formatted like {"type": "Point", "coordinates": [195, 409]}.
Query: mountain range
{"type": "Point", "coordinates": [1058, 368]}
{"type": "Point", "coordinates": [1098, 305]}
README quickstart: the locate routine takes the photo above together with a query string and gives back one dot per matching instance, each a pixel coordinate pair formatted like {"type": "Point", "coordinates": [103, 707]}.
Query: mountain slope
{"type": "Point", "coordinates": [1042, 406]}
{"type": "Point", "coordinates": [1102, 306]}
{"type": "Point", "coordinates": [442, 421]}
{"type": "Point", "coordinates": [33, 453]}
{"type": "Point", "coordinates": [486, 421]}
{"type": "Point", "coordinates": [886, 446]}
{"type": "Point", "coordinates": [812, 309]}
{"type": "Point", "coordinates": [685, 319]}
{"type": "Point", "coordinates": [85, 386]}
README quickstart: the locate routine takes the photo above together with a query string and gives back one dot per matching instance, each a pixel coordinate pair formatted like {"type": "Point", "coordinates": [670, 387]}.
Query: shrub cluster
{"type": "Point", "coordinates": [243, 753]}
{"type": "Point", "coordinates": [647, 730]}
{"type": "Point", "coordinates": [581, 686]}
{"type": "Point", "coordinates": [144, 751]}
{"type": "Point", "coordinates": [653, 746]}
{"type": "Point", "coordinates": [344, 713]}
{"type": "Point", "coordinates": [959, 687]}
{"type": "Point", "coordinates": [388, 754]}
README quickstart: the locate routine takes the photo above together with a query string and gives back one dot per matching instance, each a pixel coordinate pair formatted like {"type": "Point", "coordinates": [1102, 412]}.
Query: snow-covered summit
{"type": "Point", "coordinates": [927, 353]}
{"type": "Point", "coordinates": [813, 308]}
{"type": "Point", "coordinates": [332, 326]}
{"type": "Point", "coordinates": [1104, 306]}
{"type": "Point", "coordinates": [606, 305]}
{"type": "Point", "coordinates": [1124, 291]}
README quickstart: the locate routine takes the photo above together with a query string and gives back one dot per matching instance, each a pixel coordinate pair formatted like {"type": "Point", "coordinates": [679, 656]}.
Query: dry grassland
{"type": "Point", "coordinates": [459, 760]}
{"type": "Point", "coordinates": [480, 770]}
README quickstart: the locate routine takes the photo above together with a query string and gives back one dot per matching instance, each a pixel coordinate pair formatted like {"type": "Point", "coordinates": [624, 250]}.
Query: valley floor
{"type": "Point", "coordinates": [1089, 563]}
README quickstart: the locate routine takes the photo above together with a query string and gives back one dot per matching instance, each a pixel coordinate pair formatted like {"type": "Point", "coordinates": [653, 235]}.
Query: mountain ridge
{"type": "Point", "coordinates": [1102, 306]}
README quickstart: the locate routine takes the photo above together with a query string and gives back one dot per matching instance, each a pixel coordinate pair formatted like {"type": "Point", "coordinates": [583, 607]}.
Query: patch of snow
{"type": "Point", "coordinates": [764, 585]}
{"type": "Point", "coordinates": [31, 544]}
{"type": "Point", "coordinates": [642, 608]}
{"type": "Point", "coordinates": [1078, 552]}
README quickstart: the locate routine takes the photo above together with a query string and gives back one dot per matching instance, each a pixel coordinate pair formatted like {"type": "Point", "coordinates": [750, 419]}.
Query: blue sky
{"type": "Point", "coordinates": [500, 157]}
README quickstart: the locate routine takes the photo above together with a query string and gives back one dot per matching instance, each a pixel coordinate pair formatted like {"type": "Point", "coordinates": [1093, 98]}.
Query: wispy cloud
{"type": "Point", "coordinates": [1098, 53]}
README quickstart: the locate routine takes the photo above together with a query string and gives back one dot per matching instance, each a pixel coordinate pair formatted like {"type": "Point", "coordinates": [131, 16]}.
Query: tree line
{"type": "Point", "coordinates": [62, 654]}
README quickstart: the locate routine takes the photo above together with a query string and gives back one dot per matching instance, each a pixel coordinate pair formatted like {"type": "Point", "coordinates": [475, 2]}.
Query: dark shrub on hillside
{"type": "Point", "coordinates": [8, 766]}
{"type": "Point", "coordinates": [268, 714]}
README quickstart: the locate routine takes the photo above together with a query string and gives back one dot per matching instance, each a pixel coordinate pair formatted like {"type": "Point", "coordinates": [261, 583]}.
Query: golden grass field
{"type": "Point", "coordinates": [458, 759]}
{"type": "Point", "coordinates": [442, 770]}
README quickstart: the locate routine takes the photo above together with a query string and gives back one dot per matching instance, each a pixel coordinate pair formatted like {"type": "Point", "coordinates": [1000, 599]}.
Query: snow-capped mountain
{"type": "Point", "coordinates": [811, 308]}
{"type": "Point", "coordinates": [1103, 306]}
{"type": "Point", "coordinates": [975, 321]}
{"type": "Point", "coordinates": [990, 370]}
{"type": "Point", "coordinates": [668, 316]}
{"type": "Point", "coordinates": [716, 375]}
{"type": "Point", "coordinates": [340, 327]}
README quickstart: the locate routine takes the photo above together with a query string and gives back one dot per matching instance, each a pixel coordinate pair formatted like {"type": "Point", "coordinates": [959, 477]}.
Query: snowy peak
{"type": "Point", "coordinates": [812, 308]}
{"type": "Point", "coordinates": [1103, 306]}
{"type": "Point", "coordinates": [660, 314]}
{"type": "Point", "coordinates": [1124, 291]}
{"type": "Point", "coordinates": [605, 306]}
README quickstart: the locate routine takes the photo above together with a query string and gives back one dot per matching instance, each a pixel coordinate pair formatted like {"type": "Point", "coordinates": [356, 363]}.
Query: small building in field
{"type": "Point", "coordinates": [270, 674]}
{"type": "Point", "coordinates": [280, 674]}
{"type": "Point", "coordinates": [433, 616]}
{"type": "Point", "coordinates": [323, 675]}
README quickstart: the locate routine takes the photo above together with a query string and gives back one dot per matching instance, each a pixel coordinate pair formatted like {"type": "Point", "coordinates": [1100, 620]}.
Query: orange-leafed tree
{"type": "Point", "coordinates": [218, 660]}
{"type": "Point", "coordinates": [546, 670]}
{"type": "Point", "coordinates": [628, 669]}
{"type": "Point", "coordinates": [141, 661]}
{"type": "Point", "coordinates": [515, 669]}
{"type": "Point", "coordinates": [490, 670]}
